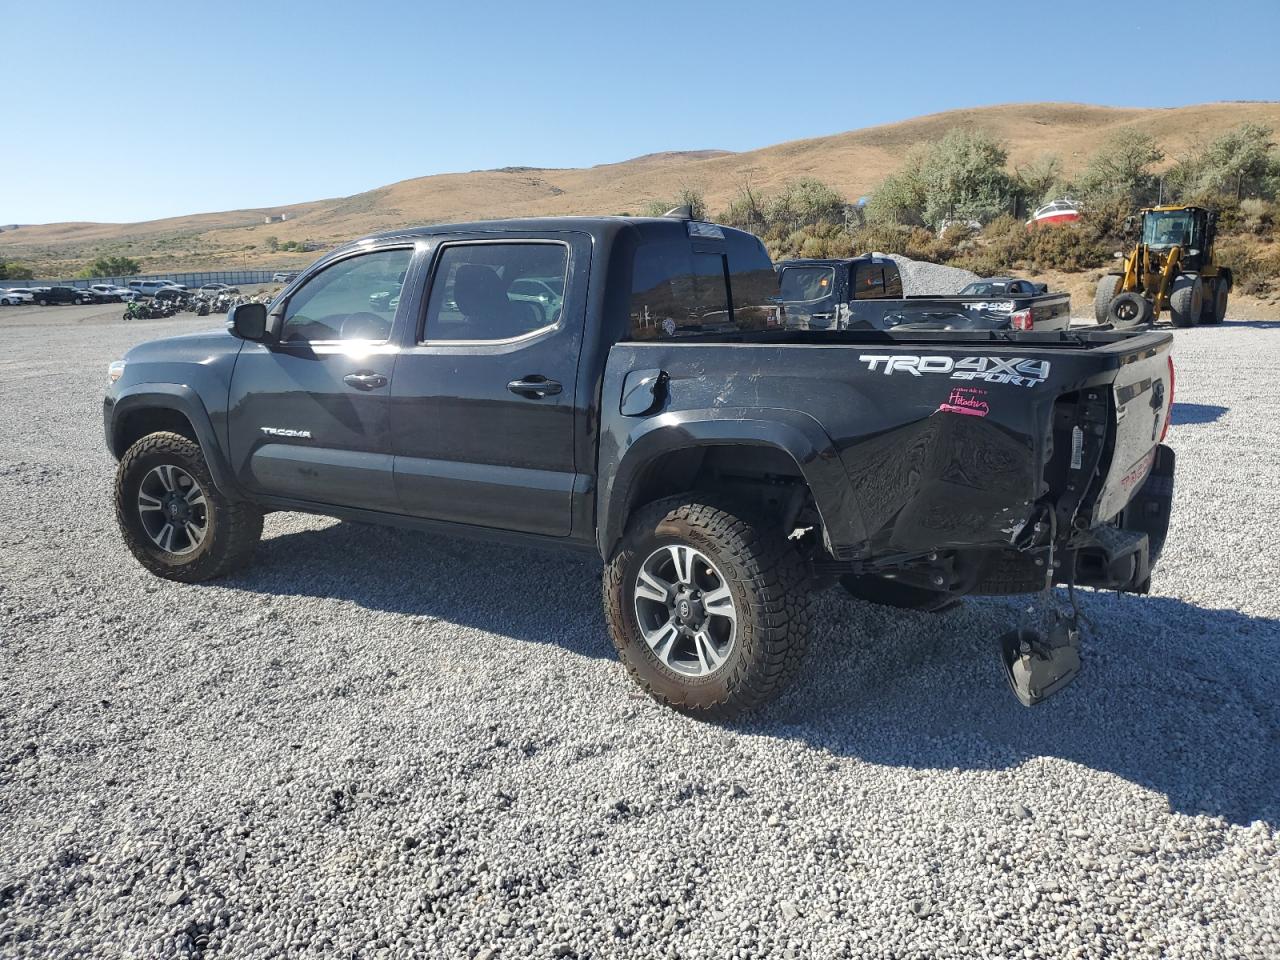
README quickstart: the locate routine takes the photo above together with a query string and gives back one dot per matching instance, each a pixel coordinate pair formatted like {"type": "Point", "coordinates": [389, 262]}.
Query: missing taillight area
{"type": "Point", "coordinates": [1168, 414]}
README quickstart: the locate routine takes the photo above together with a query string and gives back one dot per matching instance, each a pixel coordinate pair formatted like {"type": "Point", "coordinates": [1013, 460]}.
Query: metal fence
{"type": "Point", "coordinates": [235, 277]}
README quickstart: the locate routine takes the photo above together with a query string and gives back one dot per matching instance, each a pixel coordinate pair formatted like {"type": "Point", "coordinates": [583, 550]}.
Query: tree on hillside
{"type": "Point", "coordinates": [965, 178]}
{"type": "Point", "coordinates": [805, 202]}
{"type": "Point", "coordinates": [900, 197]}
{"type": "Point", "coordinates": [9, 270]}
{"type": "Point", "coordinates": [111, 267]}
{"type": "Point", "coordinates": [746, 209]}
{"type": "Point", "coordinates": [1242, 162]}
{"type": "Point", "coordinates": [688, 196]}
{"type": "Point", "coordinates": [1040, 180]}
{"type": "Point", "coordinates": [1121, 169]}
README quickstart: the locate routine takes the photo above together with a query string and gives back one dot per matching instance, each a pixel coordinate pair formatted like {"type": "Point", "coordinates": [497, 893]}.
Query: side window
{"type": "Point", "coordinates": [892, 282]}
{"type": "Point", "coordinates": [868, 282]}
{"type": "Point", "coordinates": [496, 291]}
{"type": "Point", "coordinates": [753, 283]}
{"type": "Point", "coordinates": [354, 299]}
{"type": "Point", "coordinates": [676, 291]}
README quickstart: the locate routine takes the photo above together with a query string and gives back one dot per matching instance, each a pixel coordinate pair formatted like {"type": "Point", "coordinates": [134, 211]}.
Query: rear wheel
{"type": "Point", "coordinates": [1129, 310]}
{"type": "Point", "coordinates": [1215, 302]}
{"type": "Point", "coordinates": [173, 519]}
{"type": "Point", "coordinates": [707, 608]}
{"type": "Point", "coordinates": [1106, 293]}
{"type": "Point", "coordinates": [1186, 301]}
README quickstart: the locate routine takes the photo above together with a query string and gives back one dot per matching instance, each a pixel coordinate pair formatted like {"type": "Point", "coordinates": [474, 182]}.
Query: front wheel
{"type": "Point", "coordinates": [707, 608]}
{"type": "Point", "coordinates": [174, 520]}
{"type": "Point", "coordinates": [1186, 301]}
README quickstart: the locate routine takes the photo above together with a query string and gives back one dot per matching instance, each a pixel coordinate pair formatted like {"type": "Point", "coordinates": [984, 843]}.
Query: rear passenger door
{"type": "Point", "coordinates": [483, 402]}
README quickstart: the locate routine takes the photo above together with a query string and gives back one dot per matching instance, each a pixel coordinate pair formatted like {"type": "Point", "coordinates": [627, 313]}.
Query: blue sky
{"type": "Point", "coordinates": [269, 103]}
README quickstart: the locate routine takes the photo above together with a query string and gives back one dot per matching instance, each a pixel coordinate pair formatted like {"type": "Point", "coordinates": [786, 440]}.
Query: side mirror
{"type": "Point", "coordinates": [1130, 225]}
{"type": "Point", "coordinates": [248, 321]}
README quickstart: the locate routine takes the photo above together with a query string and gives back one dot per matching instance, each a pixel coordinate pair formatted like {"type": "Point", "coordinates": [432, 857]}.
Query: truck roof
{"type": "Point", "coordinates": [835, 261]}
{"type": "Point", "coordinates": [596, 226]}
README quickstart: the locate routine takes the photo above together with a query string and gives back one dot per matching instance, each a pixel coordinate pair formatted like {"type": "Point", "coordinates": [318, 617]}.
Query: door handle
{"type": "Point", "coordinates": [365, 380]}
{"type": "Point", "coordinates": [535, 387]}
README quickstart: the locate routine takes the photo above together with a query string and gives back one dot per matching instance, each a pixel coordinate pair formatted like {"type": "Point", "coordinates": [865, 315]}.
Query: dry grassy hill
{"type": "Point", "coordinates": [853, 162]}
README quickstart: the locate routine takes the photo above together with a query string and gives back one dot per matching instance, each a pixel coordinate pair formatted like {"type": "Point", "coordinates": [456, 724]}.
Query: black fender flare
{"type": "Point", "coordinates": [795, 433]}
{"type": "Point", "coordinates": [182, 399]}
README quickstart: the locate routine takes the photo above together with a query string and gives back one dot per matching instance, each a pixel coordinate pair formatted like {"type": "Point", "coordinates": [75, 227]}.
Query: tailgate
{"type": "Point", "coordinates": [1142, 398]}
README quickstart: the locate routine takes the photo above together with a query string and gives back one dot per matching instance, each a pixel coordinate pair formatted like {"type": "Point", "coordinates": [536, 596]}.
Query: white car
{"type": "Point", "coordinates": [109, 292]}
{"type": "Point", "coordinates": [148, 288]}
{"type": "Point", "coordinates": [16, 296]}
{"type": "Point", "coordinates": [283, 277]}
{"type": "Point", "coordinates": [213, 289]}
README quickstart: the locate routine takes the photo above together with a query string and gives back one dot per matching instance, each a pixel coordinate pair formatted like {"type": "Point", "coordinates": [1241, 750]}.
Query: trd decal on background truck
{"type": "Point", "coordinates": [1015, 370]}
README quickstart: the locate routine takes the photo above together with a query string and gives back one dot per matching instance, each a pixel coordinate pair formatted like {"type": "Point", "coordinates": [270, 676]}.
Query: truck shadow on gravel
{"type": "Point", "coordinates": [1177, 698]}
{"type": "Point", "coordinates": [1185, 414]}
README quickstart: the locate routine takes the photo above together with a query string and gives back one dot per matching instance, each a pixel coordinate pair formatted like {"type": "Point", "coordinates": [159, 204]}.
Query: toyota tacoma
{"type": "Point", "coordinates": [631, 387]}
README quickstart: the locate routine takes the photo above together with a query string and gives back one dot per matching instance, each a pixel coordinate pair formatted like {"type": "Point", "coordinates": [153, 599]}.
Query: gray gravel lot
{"type": "Point", "coordinates": [379, 743]}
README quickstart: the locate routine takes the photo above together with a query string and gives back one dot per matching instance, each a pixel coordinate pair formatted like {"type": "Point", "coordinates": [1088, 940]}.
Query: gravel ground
{"type": "Point", "coordinates": [384, 744]}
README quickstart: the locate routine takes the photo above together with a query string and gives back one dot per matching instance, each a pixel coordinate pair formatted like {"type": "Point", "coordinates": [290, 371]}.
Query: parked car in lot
{"type": "Point", "coordinates": [111, 293]}
{"type": "Point", "coordinates": [865, 293]}
{"type": "Point", "coordinates": [721, 464]}
{"type": "Point", "coordinates": [213, 289]}
{"type": "Point", "coordinates": [148, 288]}
{"type": "Point", "coordinates": [61, 295]}
{"type": "Point", "coordinates": [284, 277]}
{"type": "Point", "coordinates": [16, 296]}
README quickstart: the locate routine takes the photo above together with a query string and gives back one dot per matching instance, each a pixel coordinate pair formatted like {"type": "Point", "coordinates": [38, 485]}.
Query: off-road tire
{"type": "Point", "coordinates": [904, 596]}
{"type": "Point", "coordinates": [1186, 301]}
{"type": "Point", "coordinates": [1102, 299]}
{"type": "Point", "coordinates": [770, 590]}
{"type": "Point", "coordinates": [1129, 310]}
{"type": "Point", "coordinates": [1215, 302]}
{"type": "Point", "coordinates": [234, 528]}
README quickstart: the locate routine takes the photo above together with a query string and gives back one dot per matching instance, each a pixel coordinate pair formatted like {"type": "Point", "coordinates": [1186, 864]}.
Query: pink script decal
{"type": "Point", "coordinates": [970, 401]}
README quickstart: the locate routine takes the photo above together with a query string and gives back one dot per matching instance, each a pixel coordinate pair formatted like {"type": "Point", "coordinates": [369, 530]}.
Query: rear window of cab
{"type": "Point", "coordinates": [682, 288]}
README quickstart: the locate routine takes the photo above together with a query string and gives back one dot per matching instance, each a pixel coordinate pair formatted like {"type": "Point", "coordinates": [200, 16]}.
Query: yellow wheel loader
{"type": "Point", "coordinates": [1171, 267]}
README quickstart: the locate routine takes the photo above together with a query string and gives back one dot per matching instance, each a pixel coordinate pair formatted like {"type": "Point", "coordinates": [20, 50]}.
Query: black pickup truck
{"type": "Point", "coordinates": [630, 387]}
{"type": "Point", "coordinates": [866, 293]}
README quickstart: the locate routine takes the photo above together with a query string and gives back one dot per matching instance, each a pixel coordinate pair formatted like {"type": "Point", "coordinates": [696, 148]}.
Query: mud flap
{"type": "Point", "coordinates": [1038, 666]}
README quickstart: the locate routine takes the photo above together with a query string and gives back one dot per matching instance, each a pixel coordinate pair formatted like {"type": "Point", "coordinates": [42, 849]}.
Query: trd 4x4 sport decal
{"type": "Point", "coordinates": [1013, 370]}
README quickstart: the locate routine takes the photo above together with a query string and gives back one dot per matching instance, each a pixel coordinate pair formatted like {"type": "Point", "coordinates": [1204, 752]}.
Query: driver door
{"type": "Point", "coordinates": [308, 412]}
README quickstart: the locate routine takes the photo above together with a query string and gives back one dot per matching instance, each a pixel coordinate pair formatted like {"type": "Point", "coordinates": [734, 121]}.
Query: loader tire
{"type": "Point", "coordinates": [1215, 302]}
{"type": "Point", "coordinates": [1186, 301]}
{"type": "Point", "coordinates": [1129, 310]}
{"type": "Point", "coordinates": [1102, 299]}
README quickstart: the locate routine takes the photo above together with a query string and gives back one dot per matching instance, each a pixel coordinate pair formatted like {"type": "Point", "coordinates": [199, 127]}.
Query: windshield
{"type": "Point", "coordinates": [801, 284]}
{"type": "Point", "coordinates": [1174, 227]}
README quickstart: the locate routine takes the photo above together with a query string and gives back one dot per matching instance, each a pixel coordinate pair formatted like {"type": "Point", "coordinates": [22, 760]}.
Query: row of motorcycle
{"type": "Point", "coordinates": [199, 304]}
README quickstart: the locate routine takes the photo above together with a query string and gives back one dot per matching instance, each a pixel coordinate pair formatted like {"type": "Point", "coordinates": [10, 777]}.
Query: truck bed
{"type": "Point", "coordinates": [916, 441]}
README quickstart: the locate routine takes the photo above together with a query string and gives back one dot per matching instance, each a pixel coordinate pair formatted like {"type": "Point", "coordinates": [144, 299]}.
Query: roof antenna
{"type": "Point", "coordinates": [682, 212]}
